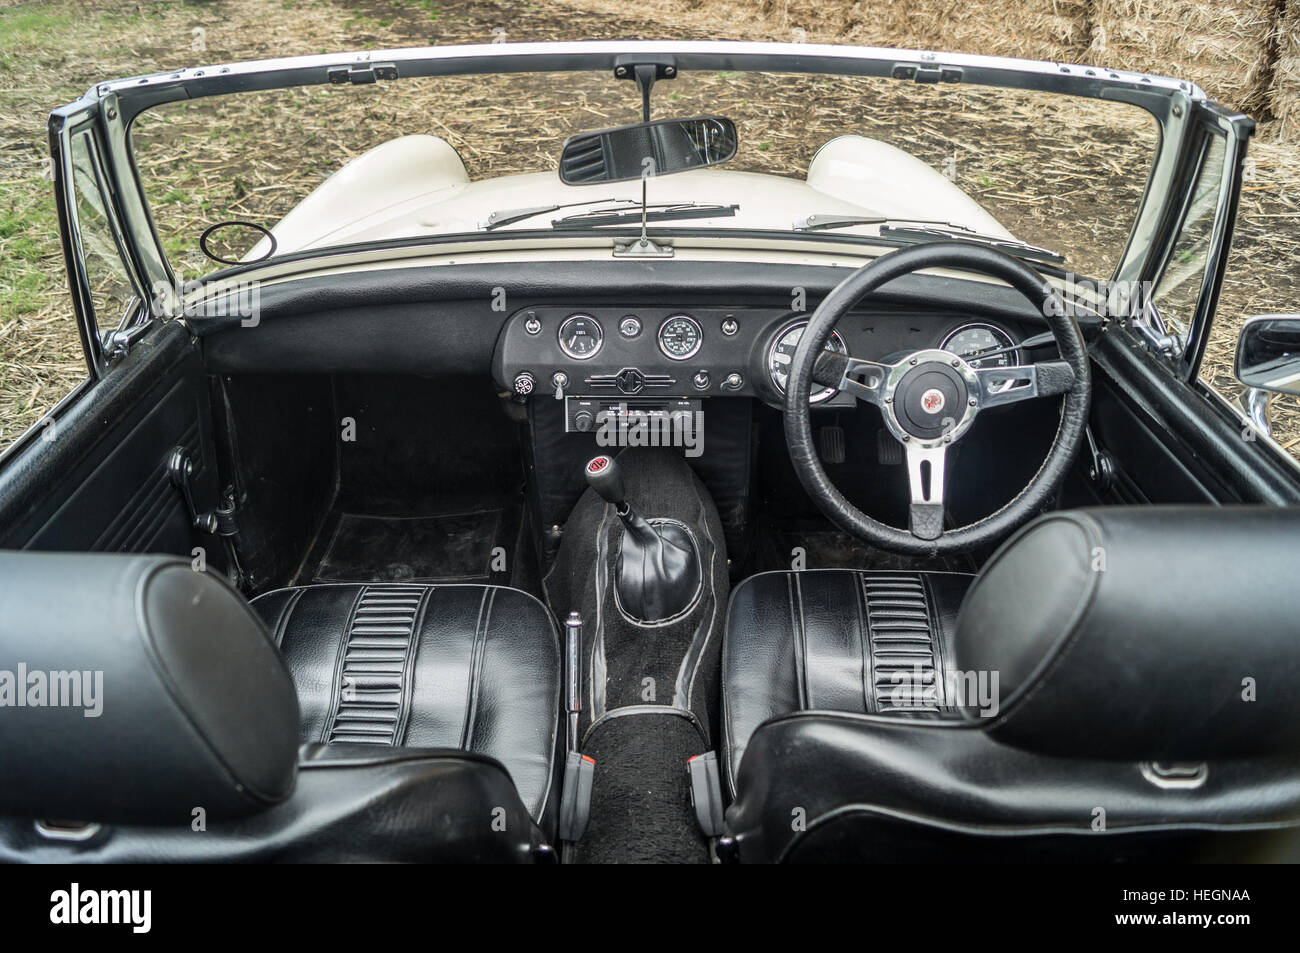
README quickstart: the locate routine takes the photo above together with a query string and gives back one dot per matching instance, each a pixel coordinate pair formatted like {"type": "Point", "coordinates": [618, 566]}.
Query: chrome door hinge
{"type": "Point", "coordinates": [117, 344]}
{"type": "Point", "coordinates": [1155, 336]}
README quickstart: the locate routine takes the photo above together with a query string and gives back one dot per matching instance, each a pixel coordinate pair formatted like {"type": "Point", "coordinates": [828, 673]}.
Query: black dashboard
{"type": "Point", "coordinates": [668, 358]}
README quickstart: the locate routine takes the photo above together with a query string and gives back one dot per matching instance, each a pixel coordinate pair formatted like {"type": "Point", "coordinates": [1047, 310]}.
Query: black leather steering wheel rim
{"type": "Point", "coordinates": [1042, 486]}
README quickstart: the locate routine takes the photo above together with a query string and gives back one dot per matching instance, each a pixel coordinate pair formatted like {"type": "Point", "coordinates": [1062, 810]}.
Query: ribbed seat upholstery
{"type": "Point", "coordinates": [426, 666]}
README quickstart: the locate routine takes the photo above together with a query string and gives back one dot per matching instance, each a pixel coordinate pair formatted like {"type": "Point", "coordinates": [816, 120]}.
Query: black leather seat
{"type": "Point", "coordinates": [461, 666]}
{"type": "Point", "coordinates": [1116, 684]}
{"type": "Point", "coordinates": [420, 722]}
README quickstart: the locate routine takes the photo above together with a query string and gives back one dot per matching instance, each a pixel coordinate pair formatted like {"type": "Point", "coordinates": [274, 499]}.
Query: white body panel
{"type": "Point", "coordinates": [417, 186]}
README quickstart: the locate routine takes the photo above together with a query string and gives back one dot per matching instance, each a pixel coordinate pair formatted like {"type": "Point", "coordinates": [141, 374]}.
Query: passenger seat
{"type": "Point", "coordinates": [326, 723]}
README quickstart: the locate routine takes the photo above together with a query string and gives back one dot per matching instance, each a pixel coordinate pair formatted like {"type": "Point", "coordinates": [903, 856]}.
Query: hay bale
{"type": "Point", "coordinates": [1284, 95]}
{"type": "Point", "coordinates": [1036, 29]}
{"type": "Point", "coordinates": [1224, 46]}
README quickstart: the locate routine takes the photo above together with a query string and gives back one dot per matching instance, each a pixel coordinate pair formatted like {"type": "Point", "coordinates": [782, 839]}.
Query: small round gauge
{"type": "Point", "coordinates": [581, 336]}
{"type": "Point", "coordinates": [781, 353]}
{"type": "Point", "coordinates": [680, 337]}
{"type": "Point", "coordinates": [971, 340]}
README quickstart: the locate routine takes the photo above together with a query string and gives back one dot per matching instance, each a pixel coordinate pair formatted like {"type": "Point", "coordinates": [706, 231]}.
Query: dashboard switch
{"type": "Point", "coordinates": [559, 380]}
{"type": "Point", "coordinates": [701, 380]}
{"type": "Point", "coordinates": [733, 382]}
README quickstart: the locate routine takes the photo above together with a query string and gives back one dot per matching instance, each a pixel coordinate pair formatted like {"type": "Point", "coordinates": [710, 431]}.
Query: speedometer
{"type": "Point", "coordinates": [680, 337]}
{"type": "Point", "coordinates": [971, 340]}
{"type": "Point", "coordinates": [781, 353]}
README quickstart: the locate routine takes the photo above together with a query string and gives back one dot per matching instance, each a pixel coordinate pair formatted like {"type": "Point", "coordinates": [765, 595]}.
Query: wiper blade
{"type": "Point", "coordinates": [508, 216]}
{"type": "Point", "coordinates": [924, 233]}
{"type": "Point", "coordinates": [817, 223]}
{"type": "Point", "coordinates": [653, 213]}
{"type": "Point", "coordinates": [919, 230]}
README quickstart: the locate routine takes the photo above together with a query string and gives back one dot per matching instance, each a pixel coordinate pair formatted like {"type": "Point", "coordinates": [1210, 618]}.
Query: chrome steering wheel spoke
{"type": "Point", "coordinates": [925, 474]}
{"type": "Point", "coordinates": [865, 380]}
{"type": "Point", "coordinates": [1008, 385]}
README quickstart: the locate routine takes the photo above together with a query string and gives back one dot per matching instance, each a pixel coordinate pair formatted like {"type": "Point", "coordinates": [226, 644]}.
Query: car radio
{"type": "Point", "coordinates": [588, 414]}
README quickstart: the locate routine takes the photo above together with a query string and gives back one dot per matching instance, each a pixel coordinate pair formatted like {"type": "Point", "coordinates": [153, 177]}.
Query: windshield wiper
{"type": "Point", "coordinates": [508, 216]}
{"type": "Point", "coordinates": [671, 211]}
{"type": "Point", "coordinates": [924, 233]}
{"type": "Point", "coordinates": [922, 230]}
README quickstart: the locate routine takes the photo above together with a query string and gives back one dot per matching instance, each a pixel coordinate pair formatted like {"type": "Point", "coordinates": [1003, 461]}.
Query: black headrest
{"type": "Point", "coordinates": [1167, 633]}
{"type": "Point", "coordinates": [171, 695]}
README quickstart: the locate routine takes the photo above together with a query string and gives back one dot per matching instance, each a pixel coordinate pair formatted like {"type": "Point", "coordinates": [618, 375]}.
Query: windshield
{"type": "Point", "coordinates": [326, 166]}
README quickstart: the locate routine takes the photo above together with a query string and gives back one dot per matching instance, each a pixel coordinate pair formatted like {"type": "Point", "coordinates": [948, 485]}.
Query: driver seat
{"type": "Point", "coordinates": [1115, 684]}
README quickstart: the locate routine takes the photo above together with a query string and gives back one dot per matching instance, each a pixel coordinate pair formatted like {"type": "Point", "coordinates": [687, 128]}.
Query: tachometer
{"type": "Point", "coordinates": [680, 337]}
{"type": "Point", "coordinates": [781, 353]}
{"type": "Point", "coordinates": [971, 340]}
{"type": "Point", "coordinates": [581, 336]}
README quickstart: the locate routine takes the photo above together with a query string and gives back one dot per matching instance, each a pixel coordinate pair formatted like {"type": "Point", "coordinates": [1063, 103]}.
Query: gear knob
{"type": "Point", "coordinates": [604, 477]}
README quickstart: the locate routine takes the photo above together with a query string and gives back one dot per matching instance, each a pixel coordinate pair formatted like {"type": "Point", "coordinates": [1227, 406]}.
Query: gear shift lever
{"type": "Point", "coordinates": [658, 571]}
{"type": "Point", "coordinates": [605, 478]}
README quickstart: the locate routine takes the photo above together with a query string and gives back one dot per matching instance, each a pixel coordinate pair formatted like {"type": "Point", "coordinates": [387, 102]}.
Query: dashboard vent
{"type": "Point", "coordinates": [904, 656]}
{"type": "Point", "coordinates": [584, 161]}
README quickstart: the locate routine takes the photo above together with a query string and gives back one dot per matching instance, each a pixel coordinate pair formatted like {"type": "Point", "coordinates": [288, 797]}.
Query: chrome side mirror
{"type": "Point", "coordinates": [1267, 362]}
{"type": "Point", "coordinates": [1268, 353]}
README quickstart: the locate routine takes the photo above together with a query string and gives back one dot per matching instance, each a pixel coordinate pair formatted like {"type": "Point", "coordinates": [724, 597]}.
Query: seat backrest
{"type": "Point", "coordinates": [1142, 633]}
{"type": "Point", "coordinates": [135, 689]}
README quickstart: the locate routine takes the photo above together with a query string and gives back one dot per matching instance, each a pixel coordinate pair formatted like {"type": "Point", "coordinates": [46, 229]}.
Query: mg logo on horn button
{"type": "Point", "coordinates": [932, 401]}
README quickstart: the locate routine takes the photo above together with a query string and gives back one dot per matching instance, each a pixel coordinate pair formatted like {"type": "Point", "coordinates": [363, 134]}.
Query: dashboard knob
{"type": "Point", "coordinates": [582, 421]}
{"type": "Point", "coordinates": [524, 384]}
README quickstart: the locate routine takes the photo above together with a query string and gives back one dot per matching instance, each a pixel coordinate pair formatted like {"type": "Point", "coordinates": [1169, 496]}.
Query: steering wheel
{"type": "Point", "coordinates": [930, 399]}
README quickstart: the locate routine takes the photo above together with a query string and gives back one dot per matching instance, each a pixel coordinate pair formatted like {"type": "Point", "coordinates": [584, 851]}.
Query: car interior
{"type": "Point", "coordinates": [370, 579]}
{"type": "Point", "coordinates": [412, 529]}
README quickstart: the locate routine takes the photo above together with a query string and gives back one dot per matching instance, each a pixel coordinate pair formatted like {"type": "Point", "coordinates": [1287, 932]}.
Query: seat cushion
{"type": "Point", "coordinates": [424, 666]}
{"type": "Point", "coordinates": [836, 640]}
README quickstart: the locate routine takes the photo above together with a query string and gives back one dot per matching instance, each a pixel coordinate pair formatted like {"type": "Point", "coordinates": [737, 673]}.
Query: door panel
{"type": "Point", "coordinates": [1169, 443]}
{"type": "Point", "coordinates": [95, 475]}
{"type": "Point", "coordinates": [97, 478]}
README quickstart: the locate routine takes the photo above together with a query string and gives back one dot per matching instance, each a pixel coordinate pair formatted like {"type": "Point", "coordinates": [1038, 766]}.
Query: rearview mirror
{"type": "Point", "coordinates": [661, 147]}
{"type": "Point", "coordinates": [1268, 353]}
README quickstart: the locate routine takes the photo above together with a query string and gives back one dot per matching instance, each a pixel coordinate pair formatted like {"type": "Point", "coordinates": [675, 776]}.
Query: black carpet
{"type": "Point", "coordinates": [640, 804]}
{"type": "Point", "coordinates": [826, 547]}
{"type": "Point", "coordinates": [458, 546]}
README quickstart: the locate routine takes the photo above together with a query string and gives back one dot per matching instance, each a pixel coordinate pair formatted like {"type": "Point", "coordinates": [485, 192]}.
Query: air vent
{"type": "Point", "coordinates": [904, 656]}
{"type": "Point", "coordinates": [584, 161]}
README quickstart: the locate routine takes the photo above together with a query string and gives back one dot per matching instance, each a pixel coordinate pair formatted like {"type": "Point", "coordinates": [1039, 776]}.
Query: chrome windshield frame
{"type": "Point", "coordinates": [1171, 102]}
